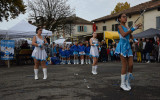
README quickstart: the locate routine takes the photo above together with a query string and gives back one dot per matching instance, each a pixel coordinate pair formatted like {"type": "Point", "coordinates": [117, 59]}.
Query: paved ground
{"type": "Point", "coordinates": [75, 82]}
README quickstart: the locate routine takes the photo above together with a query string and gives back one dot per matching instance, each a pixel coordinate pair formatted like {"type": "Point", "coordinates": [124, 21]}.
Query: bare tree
{"type": "Point", "coordinates": [49, 13]}
{"type": "Point", "coordinates": [10, 9]}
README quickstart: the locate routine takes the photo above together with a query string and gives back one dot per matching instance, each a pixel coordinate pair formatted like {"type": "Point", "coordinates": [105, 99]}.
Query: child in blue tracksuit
{"type": "Point", "coordinates": [87, 52]}
{"type": "Point", "coordinates": [72, 56]}
{"type": "Point", "coordinates": [55, 60]}
{"type": "Point", "coordinates": [60, 50]}
{"type": "Point", "coordinates": [75, 53]}
{"type": "Point", "coordinates": [68, 54]}
{"type": "Point", "coordinates": [81, 49]}
{"type": "Point", "coordinates": [53, 50]}
{"type": "Point", "coordinates": [63, 55]}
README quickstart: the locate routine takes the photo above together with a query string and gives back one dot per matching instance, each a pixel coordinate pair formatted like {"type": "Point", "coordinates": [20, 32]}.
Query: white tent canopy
{"type": "Point", "coordinates": [23, 30]}
{"type": "Point", "coordinates": [18, 39]}
{"type": "Point", "coordinates": [61, 41]}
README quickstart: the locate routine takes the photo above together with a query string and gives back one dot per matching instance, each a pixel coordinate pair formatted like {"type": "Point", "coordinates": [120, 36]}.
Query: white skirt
{"type": "Point", "coordinates": [94, 51]}
{"type": "Point", "coordinates": [39, 54]}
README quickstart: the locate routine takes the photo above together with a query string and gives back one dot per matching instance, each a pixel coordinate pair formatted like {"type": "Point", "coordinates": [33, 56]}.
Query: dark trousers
{"type": "Point", "coordinates": [143, 54]}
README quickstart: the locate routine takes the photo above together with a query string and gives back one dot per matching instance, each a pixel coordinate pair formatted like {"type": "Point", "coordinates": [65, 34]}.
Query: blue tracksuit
{"type": "Point", "coordinates": [71, 51]}
{"type": "Point", "coordinates": [63, 53]}
{"type": "Point", "coordinates": [87, 50]}
{"type": "Point", "coordinates": [53, 51]}
{"type": "Point", "coordinates": [55, 60]}
{"type": "Point", "coordinates": [60, 50]}
{"type": "Point", "coordinates": [68, 53]}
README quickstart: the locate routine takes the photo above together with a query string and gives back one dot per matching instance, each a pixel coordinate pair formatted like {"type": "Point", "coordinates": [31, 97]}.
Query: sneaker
{"type": "Point", "coordinates": [148, 61]}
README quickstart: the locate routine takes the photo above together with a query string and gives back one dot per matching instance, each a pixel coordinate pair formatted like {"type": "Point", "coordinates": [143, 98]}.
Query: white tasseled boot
{"type": "Point", "coordinates": [128, 81]}
{"type": "Point", "coordinates": [77, 61]}
{"type": "Point", "coordinates": [74, 61]}
{"type": "Point", "coordinates": [45, 73]}
{"type": "Point", "coordinates": [64, 61]}
{"type": "Point", "coordinates": [123, 83]}
{"type": "Point", "coordinates": [69, 62]}
{"type": "Point", "coordinates": [81, 61]}
{"type": "Point", "coordinates": [36, 74]}
{"type": "Point", "coordinates": [86, 61]}
{"type": "Point", "coordinates": [95, 69]}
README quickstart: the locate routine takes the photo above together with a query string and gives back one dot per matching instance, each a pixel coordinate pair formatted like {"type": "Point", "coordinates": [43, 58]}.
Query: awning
{"type": "Point", "coordinates": [150, 33]}
{"type": "Point", "coordinates": [111, 35]}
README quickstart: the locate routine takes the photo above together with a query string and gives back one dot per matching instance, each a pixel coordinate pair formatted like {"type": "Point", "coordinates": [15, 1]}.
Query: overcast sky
{"type": "Point", "coordinates": [87, 9]}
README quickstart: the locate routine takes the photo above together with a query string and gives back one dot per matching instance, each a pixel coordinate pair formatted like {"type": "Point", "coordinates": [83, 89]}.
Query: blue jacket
{"type": "Point", "coordinates": [55, 60]}
{"type": "Point", "coordinates": [63, 53]}
{"type": "Point", "coordinates": [68, 52]}
{"type": "Point", "coordinates": [87, 49]}
{"type": "Point", "coordinates": [53, 50]}
{"type": "Point", "coordinates": [74, 48]}
{"type": "Point", "coordinates": [81, 48]}
{"type": "Point", "coordinates": [60, 50]}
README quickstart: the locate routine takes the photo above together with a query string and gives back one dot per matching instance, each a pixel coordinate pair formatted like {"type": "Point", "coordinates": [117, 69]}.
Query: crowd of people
{"type": "Point", "coordinates": [144, 49]}
{"type": "Point", "coordinates": [79, 53]}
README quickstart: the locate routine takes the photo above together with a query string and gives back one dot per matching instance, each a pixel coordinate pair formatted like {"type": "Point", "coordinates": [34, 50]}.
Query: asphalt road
{"type": "Point", "coordinates": [75, 82]}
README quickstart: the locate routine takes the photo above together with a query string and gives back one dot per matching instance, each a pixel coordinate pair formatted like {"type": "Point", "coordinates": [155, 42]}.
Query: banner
{"type": "Point", "coordinates": [7, 49]}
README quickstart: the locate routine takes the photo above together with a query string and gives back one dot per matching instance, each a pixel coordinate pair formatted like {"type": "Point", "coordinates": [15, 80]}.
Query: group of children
{"type": "Point", "coordinates": [70, 54]}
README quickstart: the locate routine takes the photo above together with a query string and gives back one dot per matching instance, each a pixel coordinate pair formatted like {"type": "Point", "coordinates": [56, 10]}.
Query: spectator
{"type": "Point", "coordinates": [148, 49]}
{"type": "Point", "coordinates": [143, 50]}
{"type": "Point", "coordinates": [156, 49]}
{"type": "Point", "coordinates": [108, 53]}
{"type": "Point", "coordinates": [139, 46]}
{"type": "Point", "coordinates": [103, 52]}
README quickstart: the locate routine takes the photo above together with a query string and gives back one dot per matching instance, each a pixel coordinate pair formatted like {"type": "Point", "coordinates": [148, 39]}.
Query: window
{"type": "Point", "coordinates": [130, 23]}
{"type": "Point", "coordinates": [116, 27]}
{"type": "Point", "coordinates": [96, 27]}
{"type": "Point", "coordinates": [82, 28]}
{"type": "Point", "coordinates": [113, 27]}
{"type": "Point", "coordinates": [104, 28]}
{"type": "Point", "coordinates": [158, 22]}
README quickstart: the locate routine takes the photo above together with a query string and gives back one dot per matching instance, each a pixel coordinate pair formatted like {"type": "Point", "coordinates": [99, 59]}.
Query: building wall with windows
{"type": "Point", "coordinates": [152, 19]}
{"type": "Point", "coordinates": [82, 28]}
{"type": "Point", "coordinates": [112, 25]}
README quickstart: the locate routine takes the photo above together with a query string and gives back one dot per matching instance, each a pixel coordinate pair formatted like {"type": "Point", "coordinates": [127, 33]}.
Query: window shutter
{"type": "Point", "coordinates": [78, 28]}
{"type": "Point", "coordinates": [85, 28]}
{"type": "Point", "coordinates": [158, 22]}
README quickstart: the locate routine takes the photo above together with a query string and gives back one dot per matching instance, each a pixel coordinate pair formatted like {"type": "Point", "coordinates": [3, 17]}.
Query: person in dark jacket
{"type": "Point", "coordinates": [156, 49]}
{"type": "Point", "coordinates": [103, 52]}
{"type": "Point", "coordinates": [139, 46]}
{"type": "Point", "coordinates": [148, 49]}
{"type": "Point", "coordinates": [143, 50]}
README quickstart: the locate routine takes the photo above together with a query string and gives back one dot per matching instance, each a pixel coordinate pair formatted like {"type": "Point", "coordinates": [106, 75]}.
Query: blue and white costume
{"type": "Point", "coordinates": [81, 50]}
{"type": "Point", "coordinates": [39, 53]}
{"type": "Point", "coordinates": [123, 46]}
{"type": "Point", "coordinates": [94, 49]}
{"type": "Point", "coordinates": [75, 49]}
